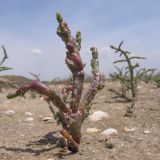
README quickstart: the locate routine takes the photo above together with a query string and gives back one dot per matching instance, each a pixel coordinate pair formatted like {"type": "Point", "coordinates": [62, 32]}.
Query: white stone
{"type": "Point", "coordinates": [101, 97]}
{"type": "Point", "coordinates": [29, 119]}
{"type": "Point", "coordinates": [98, 115]}
{"type": "Point", "coordinates": [9, 112]}
{"type": "Point", "coordinates": [140, 87]}
{"type": "Point", "coordinates": [146, 132]}
{"type": "Point", "coordinates": [3, 90]}
{"type": "Point", "coordinates": [28, 114]}
{"type": "Point", "coordinates": [109, 131]}
{"type": "Point", "coordinates": [22, 135]}
{"type": "Point", "coordinates": [126, 129]}
{"type": "Point", "coordinates": [47, 118]}
{"type": "Point", "coordinates": [42, 98]}
{"type": "Point", "coordinates": [92, 130]}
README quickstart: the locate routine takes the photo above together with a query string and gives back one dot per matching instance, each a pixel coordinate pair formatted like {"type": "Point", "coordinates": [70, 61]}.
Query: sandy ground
{"type": "Point", "coordinates": [39, 140]}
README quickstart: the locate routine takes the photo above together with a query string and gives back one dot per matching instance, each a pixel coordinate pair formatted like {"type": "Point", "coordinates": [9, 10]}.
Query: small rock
{"type": "Point", "coordinates": [101, 97]}
{"type": "Point", "coordinates": [146, 132]}
{"type": "Point", "coordinates": [140, 87]}
{"type": "Point", "coordinates": [109, 132]}
{"type": "Point", "coordinates": [92, 130]}
{"type": "Point", "coordinates": [47, 118]}
{"type": "Point", "coordinates": [3, 90]}
{"type": "Point", "coordinates": [42, 98]}
{"type": "Point", "coordinates": [22, 157]}
{"type": "Point", "coordinates": [126, 129]}
{"type": "Point", "coordinates": [98, 115]}
{"type": "Point", "coordinates": [22, 135]}
{"type": "Point", "coordinates": [9, 112]}
{"type": "Point", "coordinates": [28, 114]}
{"type": "Point", "coordinates": [50, 159]}
{"type": "Point", "coordinates": [29, 119]}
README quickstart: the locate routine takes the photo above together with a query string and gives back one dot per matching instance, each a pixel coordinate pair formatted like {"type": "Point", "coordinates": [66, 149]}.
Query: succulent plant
{"type": "Point", "coordinates": [128, 76]}
{"type": "Point", "coordinates": [70, 113]}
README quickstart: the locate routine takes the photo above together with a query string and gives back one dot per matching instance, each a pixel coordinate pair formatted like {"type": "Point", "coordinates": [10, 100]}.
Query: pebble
{"type": "Point", "coordinates": [140, 87]}
{"type": "Point", "coordinates": [98, 115]}
{"type": "Point", "coordinates": [47, 118]}
{"type": "Point", "coordinates": [146, 132]}
{"type": "Point", "coordinates": [110, 131]}
{"type": "Point", "coordinates": [92, 130]}
{"type": "Point", "coordinates": [101, 97]}
{"type": "Point", "coordinates": [29, 119]}
{"type": "Point", "coordinates": [42, 98]}
{"type": "Point", "coordinates": [9, 112]}
{"type": "Point", "coordinates": [22, 135]}
{"type": "Point", "coordinates": [28, 114]}
{"type": "Point", "coordinates": [126, 129]}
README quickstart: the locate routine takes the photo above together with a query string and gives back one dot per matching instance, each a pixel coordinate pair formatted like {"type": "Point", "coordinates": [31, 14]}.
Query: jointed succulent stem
{"type": "Point", "coordinates": [97, 84]}
{"type": "Point", "coordinates": [129, 77]}
{"type": "Point", "coordinates": [70, 114]}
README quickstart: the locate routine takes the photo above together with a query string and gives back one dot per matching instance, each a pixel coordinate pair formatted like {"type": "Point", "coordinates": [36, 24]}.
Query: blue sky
{"type": "Point", "coordinates": [28, 31]}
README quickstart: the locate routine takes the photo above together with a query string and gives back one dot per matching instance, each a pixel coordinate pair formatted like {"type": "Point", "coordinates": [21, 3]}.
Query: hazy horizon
{"type": "Point", "coordinates": [28, 31]}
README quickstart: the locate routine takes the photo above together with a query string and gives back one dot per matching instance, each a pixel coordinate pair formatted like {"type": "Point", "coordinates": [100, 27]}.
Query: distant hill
{"type": "Point", "coordinates": [19, 80]}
